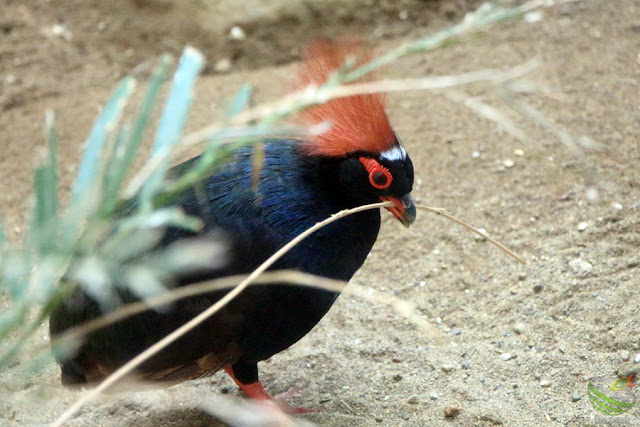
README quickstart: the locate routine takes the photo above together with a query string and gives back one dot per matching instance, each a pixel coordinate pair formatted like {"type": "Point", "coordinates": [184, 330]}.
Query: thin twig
{"type": "Point", "coordinates": [282, 276]}
{"type": "Point", "coordinates": [488, 112]}
{"type": "Point", "coordinates": [148, 353]}
{"type": "Point", "coordinates": [444, 213]}
{"type": "Point", "coordinates": [319, 94]}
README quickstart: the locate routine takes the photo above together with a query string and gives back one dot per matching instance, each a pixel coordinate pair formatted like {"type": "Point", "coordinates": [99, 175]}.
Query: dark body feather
{"type": "Point", "coordinates": [295, 192]}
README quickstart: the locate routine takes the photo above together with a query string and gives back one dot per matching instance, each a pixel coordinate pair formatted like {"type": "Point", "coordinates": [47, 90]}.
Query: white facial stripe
{"type": "Point", "coordinates": [396, 153]}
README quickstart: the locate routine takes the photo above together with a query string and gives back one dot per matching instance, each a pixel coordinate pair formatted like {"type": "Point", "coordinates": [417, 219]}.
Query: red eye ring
{"type": "Point", "coordinates": [376, 172]}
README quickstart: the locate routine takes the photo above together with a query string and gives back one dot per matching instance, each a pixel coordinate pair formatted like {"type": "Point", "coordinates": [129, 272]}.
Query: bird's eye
{"type": "Point", "coordinates": [379, 176]}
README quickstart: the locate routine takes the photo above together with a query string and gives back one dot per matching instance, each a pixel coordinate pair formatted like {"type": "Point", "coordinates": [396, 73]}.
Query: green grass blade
{"type": "Point", "coordinates": [125, 153]}
{"type": "Point", "coordinates": [173, 119]}
{"type": "Point", "coordinates": [45, 205]}
{"type": "Point", "coordinates": [114, 171]}
{"type": "Point", "coordinates": [2, 234]}
{"type": "Point", "coordinates": [52, 158]}
{"type": "Point", "coordinates": [168, 217]}
{"type": "Point", "coordinates": [241, 101]}
{"type": "Point", "coordinates": [46, 189]}
{"type": "Point", "coordinates": [103, 127]}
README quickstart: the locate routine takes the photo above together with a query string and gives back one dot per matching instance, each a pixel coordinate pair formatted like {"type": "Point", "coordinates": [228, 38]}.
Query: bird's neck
{"type": "Point", "coordinates": [309, 195]}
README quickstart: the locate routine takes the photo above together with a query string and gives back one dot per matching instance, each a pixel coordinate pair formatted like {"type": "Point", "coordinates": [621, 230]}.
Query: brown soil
{"type": "Point", "coordinates": [567, 316]}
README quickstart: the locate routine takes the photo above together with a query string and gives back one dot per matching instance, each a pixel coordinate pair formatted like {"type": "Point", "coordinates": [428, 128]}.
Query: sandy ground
{"type": "Point", "coordinates": [510, 344]}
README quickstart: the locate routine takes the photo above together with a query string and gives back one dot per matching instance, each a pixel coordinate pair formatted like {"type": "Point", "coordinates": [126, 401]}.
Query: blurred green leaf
{"type": "Point", "coordinates": [128, 244]}
{"type": "Point", "coordinates": [114, 173]}
{"type": "Point", "coordinates": [102, 129]}
{"type": "Point", "coordinates": [127, 145]}
{"type": "Point", "coordinates": [46, 188]}
{"type": "Point", "coordinates": [10, 319]}
{"type": "Point", "coordinates": [144, 282]}
{"type": "Point", "coordinates": [2, 237]}
{"type": "Point", "coordinates": [166, 217]}
{"type": "Point", "coordinates": [172, 122]}
{"type": "Point", "coordinates": [15, 273]}
{"type": "Point", "coordinates": [92, 273]}
{"type": "Point", "coordinates": [241, 101]}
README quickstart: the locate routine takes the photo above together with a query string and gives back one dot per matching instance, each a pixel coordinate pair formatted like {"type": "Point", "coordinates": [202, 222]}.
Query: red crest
{"type": "Point", "coordinates": [360, 122]}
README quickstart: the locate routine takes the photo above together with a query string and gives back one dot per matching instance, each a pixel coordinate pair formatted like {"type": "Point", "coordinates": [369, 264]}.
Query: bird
{"type": "Point", "coordinates": [358, 160]}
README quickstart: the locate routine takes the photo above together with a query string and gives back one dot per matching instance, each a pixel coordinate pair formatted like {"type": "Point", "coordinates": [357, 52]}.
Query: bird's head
{"type": "Point", "coordinates": [365, 160]}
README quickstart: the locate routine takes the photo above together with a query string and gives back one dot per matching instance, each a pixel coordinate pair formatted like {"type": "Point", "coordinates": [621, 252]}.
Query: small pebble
{"type": "Point", "coordinates": [545, 383]}
{"type": "Point", "coordinates": [575, 397]}
{"type": "Point", "coordinates": [532, 17]}
{"type": "Point", "coordinates": [397, 377]}
{"type": "Point", "coordinates": [478, 237]}
{"type": "Point", "coordinates": [413, 400]}
{"type": "Point", "coordinates": [617, 206]}
{"type": "Point", "coordinates": [59, 30]}
{"type": "Point", "coordinates": [451, 410]}
{"type": "Point", "coordinates": [625, 355]}
{"type": "Point", "coordinates": [580, 267]}
{"type": "Point", "coordinates": [518, 328]}
{"type": "Point", "coordinates": [506, 356]}
{"type": "Point", "coordinates": [434, 396]}
{"type": "Point", "coordinates": [637, 358]}
{"type": "Point", "coordinates": [518, 152]}
{"type": "Point", "coordinates": [465, 365]}
{"type": "Point", "coordinates": [237, 33]}
{"type": "Point", "coordinates": [537, 289]}
{"type": "Point", "coordinates": [522, 276]}
{"type": "Point", "coordinates": [508, 163]}
{"type": "Point", "coordinates": [448, 368]}
{"type": "Point", "coordinates": [591, 193]}
{"type": "Point", "coordinates": [475, 154]}
{"type": "Point", "coordinates": [456, 331]}
{"type": "Point", "coordinates": [404, 416]}
{"type": "Point", "coordinates": [223, 65]}
{"type": "Point", "coordinates": [583, 226]}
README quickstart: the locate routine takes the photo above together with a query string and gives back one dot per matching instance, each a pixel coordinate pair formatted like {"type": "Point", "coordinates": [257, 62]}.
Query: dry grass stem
{"type": "Point", "coordinates": [148, 353]}
{"type": "Point", "coordinates": [283, 276]}
{"type": "Point", "coordinates": [314, 95]}
{"type": "Point", "coordinates": [443, 212]}
{"type": "Point", "coordinates": [487, 111]}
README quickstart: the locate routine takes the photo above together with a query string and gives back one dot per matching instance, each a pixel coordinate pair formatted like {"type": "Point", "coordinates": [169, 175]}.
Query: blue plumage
{"type": "Point", "coordinates": [290, 198]}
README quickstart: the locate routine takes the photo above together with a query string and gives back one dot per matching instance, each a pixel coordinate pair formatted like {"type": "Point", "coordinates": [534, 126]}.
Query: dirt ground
{"type": "Point", "coordinates": [513, 345]}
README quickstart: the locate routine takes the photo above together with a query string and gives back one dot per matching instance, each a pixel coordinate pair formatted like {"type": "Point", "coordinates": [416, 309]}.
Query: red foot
{"type": "Point", "coordinates": [256, 391]}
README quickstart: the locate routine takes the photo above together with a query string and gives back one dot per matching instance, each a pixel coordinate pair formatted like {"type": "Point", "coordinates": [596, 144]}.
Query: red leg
{"type": "Point", "coordinates": [256, 391]}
